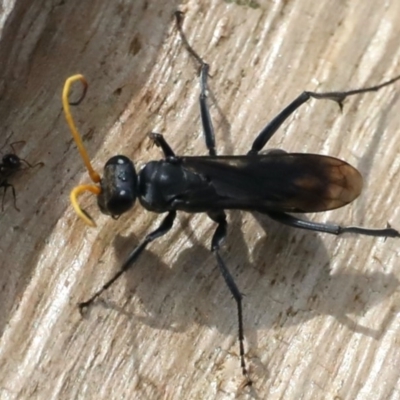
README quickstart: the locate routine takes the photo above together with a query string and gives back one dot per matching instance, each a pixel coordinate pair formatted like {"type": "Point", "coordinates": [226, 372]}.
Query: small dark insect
{"type": "Point", "coordinates": [274, 184]}
{"type": "Point", "coordinates": [9, 166]}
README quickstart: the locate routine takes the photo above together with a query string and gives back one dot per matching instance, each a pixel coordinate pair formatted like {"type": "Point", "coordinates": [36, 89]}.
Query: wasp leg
{"type": "Point", "coordinates": [206, 122]}
{"type": "Point", "coordinates": [269, 130]}
{"type": "Point", "coordinates": [329, 228]}
{"type": "Point", "coordinates": [160, 141]}
{"type": "Point", "coordinates": [164, 227]}
{"type": "Point", "coordinates": [217, 240]}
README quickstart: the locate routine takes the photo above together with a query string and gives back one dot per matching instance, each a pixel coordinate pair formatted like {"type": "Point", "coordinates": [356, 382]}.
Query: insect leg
{"type": "Point", "coordinates": [164, 227]}
{"type": "Point", "coordinates": [6, 142]}
{"type": "Point", "coordinates": [269, 130]}
{"type": "Point", "coordinates": [333, 229]}
{"type": "Point", "coordinates": [160, 141]}
{"type": "Point", "coordinates": [206, 121]}
{"type": "Point", "coordinates": [7, 185]}
{"type": "Point", "coordinates": [218, 238]}
{"type": "Point", "coordinates": [208, 129]}
{"type": "Point", "coordinates": [38, 164]}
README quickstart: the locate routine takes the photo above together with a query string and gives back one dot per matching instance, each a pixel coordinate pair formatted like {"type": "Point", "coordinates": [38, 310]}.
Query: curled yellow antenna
{"type": "Point", "coordinates": [68, 116]}
{"type": "Point", "coordinates": [75, 192]}
{"type": "Point", "coordinates": [78, 140]}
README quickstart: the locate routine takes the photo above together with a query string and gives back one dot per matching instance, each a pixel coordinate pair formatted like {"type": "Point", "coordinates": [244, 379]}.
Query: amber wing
{"type": "Point", "coordinates": [293, 182]}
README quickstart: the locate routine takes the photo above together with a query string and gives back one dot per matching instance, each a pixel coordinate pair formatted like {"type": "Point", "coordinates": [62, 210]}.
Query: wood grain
{"type": "Point", "coordinates": [321, 313]}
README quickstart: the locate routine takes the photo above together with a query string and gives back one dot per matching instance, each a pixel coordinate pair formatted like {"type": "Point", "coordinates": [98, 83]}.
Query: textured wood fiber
{"type": "Point", "coordinates": [320, 312]}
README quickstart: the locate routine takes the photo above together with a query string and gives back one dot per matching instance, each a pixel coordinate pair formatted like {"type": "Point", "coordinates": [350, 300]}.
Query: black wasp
{"type": "Point", "coordinates": [10, 164]}
{"type": "Point", "coordinates": [274, 184]}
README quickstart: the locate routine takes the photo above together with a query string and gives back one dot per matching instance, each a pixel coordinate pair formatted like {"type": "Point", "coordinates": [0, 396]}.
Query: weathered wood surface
{"type": "Point", "coordinates": [321, 313]}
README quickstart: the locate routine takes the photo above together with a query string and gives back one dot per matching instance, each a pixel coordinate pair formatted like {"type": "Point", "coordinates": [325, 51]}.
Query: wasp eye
{"type": "Point", "coordinates": [118, 186]}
